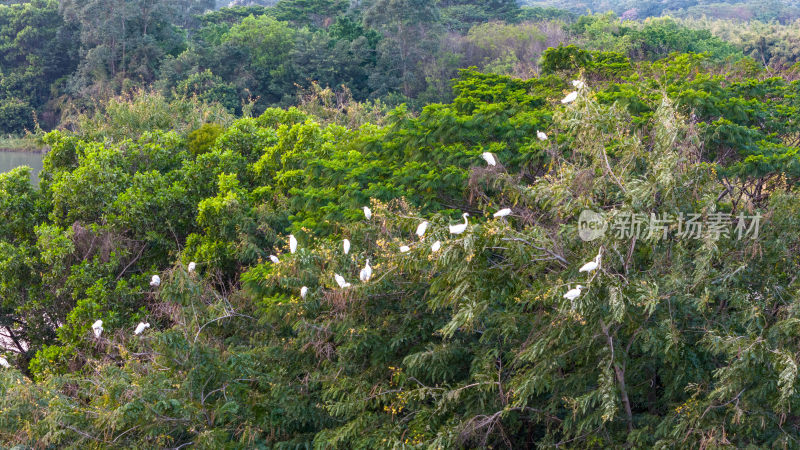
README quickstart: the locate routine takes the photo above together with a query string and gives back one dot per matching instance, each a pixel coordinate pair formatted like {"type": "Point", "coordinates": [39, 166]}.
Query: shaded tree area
{"type": "Point", "coordinates": [675, 341]}
{"type": "Point", "coordinates": [61, 58]}
{"type": "Point", "coordinates": [38, 52]}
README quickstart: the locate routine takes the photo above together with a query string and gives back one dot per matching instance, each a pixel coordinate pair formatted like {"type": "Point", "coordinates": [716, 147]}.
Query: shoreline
{"type": "Point", "coordinates": [42, 150]}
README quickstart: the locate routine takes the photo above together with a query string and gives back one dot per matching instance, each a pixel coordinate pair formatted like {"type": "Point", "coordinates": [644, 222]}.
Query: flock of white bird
{"type": "Point", "coordinates": [589, 267]}
{"type": "Point", "coordinates": [366, 273]}
{"type": "Point", "coordinates": [491, 160]}
{"type": "Point", "coordinates": [155, 281]}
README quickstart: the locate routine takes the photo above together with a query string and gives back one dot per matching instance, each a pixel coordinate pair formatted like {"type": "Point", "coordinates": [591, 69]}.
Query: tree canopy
{"type": "Point", "coordinates": [674, 340]}
{"type": "Point", "coordinates": [152, 295]}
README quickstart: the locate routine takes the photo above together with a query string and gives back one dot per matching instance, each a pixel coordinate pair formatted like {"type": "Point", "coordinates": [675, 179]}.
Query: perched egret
{"type": "Point", "coordinates": [572, 294]}
{"type": "Point", "coordinates": [436, 246]}
{"type": "Point", "coordinates": [292, 243]}
{"type": "Point", "coordinates": [346, 246]}
{"type": "Point", "coordinates": [274, 259]}
{"type": "Point", "coordinates": [422, 228]}
{"type": "Point", "coordinates": [458, 229]}
{"type": "Point", "coordinates": [503, 212]}
{"type": "Point", "coordinates": [405, 249]}
{"type": "Point", "coordinates": [140, 328]}
{"type": "Point", "coordinates": [570, 97]}
{"type": "Point", "coordinates": [4, 363]}
{"type": "Point", "coordinates": [591, 265]}
{"type": "Point", "coordinates": [578, 84]}
{"type": "Point", "coordinates": [366, 273]}
{"type": "Point", "coordinates": [97, 328]}
{"type": "Point", "coordinates": [303, 292]}
{"type": "Point", "coordinates": [340, 281]}
{"type": "Point", "coordinates": [542, 136]}
{"type": "Point", "coordinates": [192, 266]}
{"type": "Point", "coordinates": [367, 213]}
{"type": "Point", "coordinates": [155, 281]}
{"type": "Point", "coordinates": [489, 158]}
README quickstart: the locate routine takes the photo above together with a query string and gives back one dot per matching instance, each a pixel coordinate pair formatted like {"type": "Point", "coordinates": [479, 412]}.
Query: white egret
{"type": "Point", "coordinates": [422, 228]}
{"type": "Point", "coordinates": [274, 259]}
{"type": "Point", "coordinates": [292, 243]}
{"type": "Point", "coordinates": [97, 328]}
{"type": "Point", "coordinates": [366, 273]}
{"type": "Point", "coordinates": [4, 363]}
{"type": "Point", "coordinates": [458, 229]}
{"type": "Point", "coordinates": [155, 281]}
{"type": "Point", "coordinates": [489, 158]}
{"type": "Point", "coordinates": [140, 328]}
{"type": "Point", "coordinates": [542, 136]}
{"type": "Point", "coordinates": [405, 249]}
{"type": "Point", "coordinates": [591, 265]}
{"type": "Point", "coordinates": [303, 292]}
{"type": "Point", "coordinates": [503, 212]}
{"type": "Point", "coordinates": [340, 281]}
{"type": "Point", "coordinates": [192, 266]}
{"type": "Point", "coordinates": [346, 246]}
{"type": "Point", "coordinates": [570, 97]}
{"type": "Point", "coordinates": [578, 84]}
{"type": "Point", "coordinates": [572, 294]}
{"type": "Point", "coordinates": [367, 213]}
{"type": "Point", "coordinates": [436, 246]}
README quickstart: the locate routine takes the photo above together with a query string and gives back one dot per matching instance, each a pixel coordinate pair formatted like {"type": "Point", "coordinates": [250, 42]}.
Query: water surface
{"type": "Point", "coordinates": [12, 159]}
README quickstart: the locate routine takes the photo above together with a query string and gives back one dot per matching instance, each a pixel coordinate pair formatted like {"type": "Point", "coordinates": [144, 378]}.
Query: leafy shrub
{"type": "Point", "coordinates": [202, 139]}
{"type": "Point", "coordinates": [16, 116]}
{"type": "Point", "coordinates": [209, 89]}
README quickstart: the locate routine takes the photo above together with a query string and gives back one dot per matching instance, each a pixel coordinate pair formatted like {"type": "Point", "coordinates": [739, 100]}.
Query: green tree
{"type": "Point", "coordinates": [264, 46]}
{"type": "Point", "coordinates": [410, 32]}
{"type": "Point", "coordinates": [37, 50]}
{"type": "Point", "coordinates": [210, 88]}
{"type": "Point", "coordinates": [120, 40]}
{"type": "Point", "coordinates": [16, 116]}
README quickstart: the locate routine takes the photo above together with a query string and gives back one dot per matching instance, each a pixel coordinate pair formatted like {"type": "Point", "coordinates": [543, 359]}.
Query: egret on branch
{"type": "Point", "coordinates": [346, 246]}
{"type": "Point", "coordinates": [366, 273]}
{"type": "Point", "coordinates": [192, 266]}
{"type": "Point", "coordinates": [436, 246]}
{"type": "Point", "coordinates": [405, 249]}
{"type": "Point", "coordinates": [591, 265]}
{"type": "Point", "coordinates": [570, 97]}
{"type": "Point", "coordinates": [542, 136]}
{"type": "Point", "coordinates": [460, 228]}
{"type": "Point", "coordinates": [367, 213]}
{"type": "Point", "coordinates": [292, 243]}
{"type": "Point", "coordinates": [97, 328]}
{"type": "Point", "coordinates": [155, 281]}
{"type": "Point", "coordinates": [4, 363]}
{"type": "Point", "coordinates": [503, 212]}
{"type": "Point", "coordinates": [572, 294]}
{"type": "Point", "coordinates": [489, 158]}
{"type": "Point", "coordinates": [140, 328]}
{"type": "Point", "coordinates": [422, 228]}
{"type": "Point", "coordinates": [303, 292]}
{"type": "Point", "coordinates": [274, 259]}
{"type": "Point", "coordinates": [340, 281]}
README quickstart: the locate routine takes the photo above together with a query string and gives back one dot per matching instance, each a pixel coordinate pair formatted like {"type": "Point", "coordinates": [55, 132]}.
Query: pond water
{"type": "Point", "coordinates": [11, 160]}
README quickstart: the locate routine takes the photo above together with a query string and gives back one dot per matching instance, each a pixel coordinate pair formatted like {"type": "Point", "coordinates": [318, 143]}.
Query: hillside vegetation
{"type": "Point", "coordinates": [62, 60]}
{"type": "Point", "coordinates": [675, 341]}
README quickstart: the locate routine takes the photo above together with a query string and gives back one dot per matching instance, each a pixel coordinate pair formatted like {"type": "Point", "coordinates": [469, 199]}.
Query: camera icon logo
{"type": "Point", "coordinates": [591, 225]}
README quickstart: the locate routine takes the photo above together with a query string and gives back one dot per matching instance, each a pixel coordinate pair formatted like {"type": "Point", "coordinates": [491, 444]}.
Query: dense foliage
{"type": "Point", "coordinates": [674, 342]}
{"type": "Point", "coordinates": [783, 11]}
{"type": "Point", "coordinates": [62, 60]}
